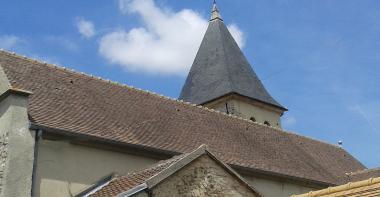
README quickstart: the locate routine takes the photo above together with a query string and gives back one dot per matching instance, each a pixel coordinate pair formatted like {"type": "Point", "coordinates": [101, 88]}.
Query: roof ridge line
{"type": "Point", "coordinates": [363, 171]}
{"type": "Point", "coordinates": [317, 140]}
{"type": "Point", "coordinates": [156, 94]}
{"type": "Point", "coordinates": [232, 86]}
{"type": "Point", "coordinates": [131, 87]}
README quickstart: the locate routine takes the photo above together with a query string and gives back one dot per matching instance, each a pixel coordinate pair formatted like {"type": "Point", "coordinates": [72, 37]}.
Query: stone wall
{"type": "Point", "coordinates": [202, 177]}
{"type": "Point", "coordinates": [4, 135]}
{"type": "Point", "coordinates": [3, 156]}
{"type": "Point", "coordinates": [17, 147]}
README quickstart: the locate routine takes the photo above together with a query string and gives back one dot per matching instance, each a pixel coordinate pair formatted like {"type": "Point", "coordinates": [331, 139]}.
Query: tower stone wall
{"type": "Point", "coordinates": [248, 109]}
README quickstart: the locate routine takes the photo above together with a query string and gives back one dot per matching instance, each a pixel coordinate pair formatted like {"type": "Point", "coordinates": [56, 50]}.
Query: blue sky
{"type": "Point", "coordinates": [319, 58]}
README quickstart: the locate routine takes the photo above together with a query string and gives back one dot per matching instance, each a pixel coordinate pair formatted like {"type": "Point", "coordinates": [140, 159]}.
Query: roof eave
{"type": "Point", "coordinates": [235, 93]}
{"type": "Point", "coordinates": [248, 171]}
{"type": "Point", "coordinates": [133, 191]}
{"type": "Point", "coordinates": [167, 154]}
{"type": "Point", "coordinates": [91, 139]}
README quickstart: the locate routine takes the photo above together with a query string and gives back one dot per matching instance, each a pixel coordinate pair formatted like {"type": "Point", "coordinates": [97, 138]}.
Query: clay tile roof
{"type": "Point", "coordinates": [364, 174]}
{"type": "Point", "coordinates": [85, 105]}
{"type": "Point", "coordinates": [157, 173]}
{"type": "Point", "coordinates": [125, 183]}
{"type": "Point", "coordinates": [368, 188]}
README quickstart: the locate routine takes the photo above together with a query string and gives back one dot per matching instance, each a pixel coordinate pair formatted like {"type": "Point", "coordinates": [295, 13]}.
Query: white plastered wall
{"type": "Point", "coordinates": [64, 169]}
{"type": "Point", "coordinates": [276, 188]}
{"type": "Point", "coordinates": [248, 109]}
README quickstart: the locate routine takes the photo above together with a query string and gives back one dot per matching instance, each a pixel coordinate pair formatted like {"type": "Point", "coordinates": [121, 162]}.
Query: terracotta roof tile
{"type": "Point", "coordinates": [82, 104]}
{"type": "Point", "coordinates": [125, 183]}
{"type": "Point", "coordinates": [157, 173]}
{"type": "Point", "coordinates": [364, 174]}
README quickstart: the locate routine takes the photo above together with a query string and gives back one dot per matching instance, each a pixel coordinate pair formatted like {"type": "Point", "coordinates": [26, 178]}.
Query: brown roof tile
{"type": "Point", "coordinates": [157, 173]}
{"type": "Point", "coordinates": [125, 183]}
{"type": "Point", "coordinates": [364, 174]}
{"type": "Point", "coordinates": [75, 102]}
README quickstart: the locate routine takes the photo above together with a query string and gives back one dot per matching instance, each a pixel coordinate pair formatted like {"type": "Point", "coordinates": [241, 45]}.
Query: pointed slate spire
{"type": "Point", "coordinates": [220, 68]}
{"type": "Point", "coordinates": [215, 14]}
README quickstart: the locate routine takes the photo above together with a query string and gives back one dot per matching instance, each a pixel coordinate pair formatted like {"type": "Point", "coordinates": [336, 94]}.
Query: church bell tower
{"type": "Point", "coordinates": [221, 78]}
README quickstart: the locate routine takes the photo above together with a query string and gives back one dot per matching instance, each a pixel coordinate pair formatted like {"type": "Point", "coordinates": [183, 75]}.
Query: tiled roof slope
{"type": "Point", "coordinates": [159, 172]}
{"type": "Point", "coordinates": [220, 68]}
{"type": "Point", "coordinates": [364, 174]}
{"type": "Point", "coordinates": [82, 104]}
{"type": "Point", "coordinates": [125, 183]}
{"type": "Point", "coordinates": [366, 188]}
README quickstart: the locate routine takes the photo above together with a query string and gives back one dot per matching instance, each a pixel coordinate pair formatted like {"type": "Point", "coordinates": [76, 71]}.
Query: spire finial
{"type": "Point", "coordinates": [215, 14]}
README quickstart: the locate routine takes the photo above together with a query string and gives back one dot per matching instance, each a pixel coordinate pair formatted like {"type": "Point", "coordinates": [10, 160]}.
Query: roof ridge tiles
{"type": "Point", "coordinates": [63, 68]}
{"type": "Point", "coordinates": [306, 137]}
{"type": "Point", "coordinates": [363, 171]}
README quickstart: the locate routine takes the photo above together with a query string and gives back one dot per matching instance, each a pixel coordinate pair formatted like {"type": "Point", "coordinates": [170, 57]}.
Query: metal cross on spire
{"type": "Point", "coordinates": [215, 14]}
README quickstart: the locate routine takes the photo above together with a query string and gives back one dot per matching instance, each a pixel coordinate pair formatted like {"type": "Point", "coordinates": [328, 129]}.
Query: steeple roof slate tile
{"type": "Point", "coordinates": [220, 68]}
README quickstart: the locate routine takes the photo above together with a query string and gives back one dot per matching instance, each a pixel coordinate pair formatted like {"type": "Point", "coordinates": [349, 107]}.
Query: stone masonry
{"type": "Point", "coordinates": [203, 177]}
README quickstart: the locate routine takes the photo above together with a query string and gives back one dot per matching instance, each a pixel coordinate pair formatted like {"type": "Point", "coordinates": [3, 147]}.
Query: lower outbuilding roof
{"type": "Point", "coordinates": [367, 188]}
{"type": "Point", "coordinates": [364, 174]}
{"type": "Point", "coordinates": [85, 105]}
{"type": "Point", "coordinates": [133, 183]}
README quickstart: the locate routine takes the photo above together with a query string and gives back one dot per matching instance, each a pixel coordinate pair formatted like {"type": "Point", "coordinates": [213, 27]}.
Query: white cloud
{"type": "Point", "coordinates": [237, 34]}
{"type": "Point", "coordinates": [289, 121]}
{"type": "Point", "coordinates": [85, 28]}
{"type": "Point", "coordinates": [165, 44]}
{"type": "Point", "coordinates": [9, 41]}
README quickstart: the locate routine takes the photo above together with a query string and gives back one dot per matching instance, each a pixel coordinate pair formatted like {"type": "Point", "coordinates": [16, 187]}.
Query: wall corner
{"type": "Point", "coordinates": [16, 145]}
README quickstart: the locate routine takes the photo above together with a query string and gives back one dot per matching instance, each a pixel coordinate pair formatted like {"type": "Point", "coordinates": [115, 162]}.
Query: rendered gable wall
{"type": "Point", "coordinates": [64, 169]}
{"type": "Point", "coordinates": [277, 188]}
{"type": "Point", "coordinates": [202, 177]}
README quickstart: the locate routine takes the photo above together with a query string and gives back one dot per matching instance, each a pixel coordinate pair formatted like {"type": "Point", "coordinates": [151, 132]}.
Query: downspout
{"type": "Point", "coordinates": [37, 138]}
